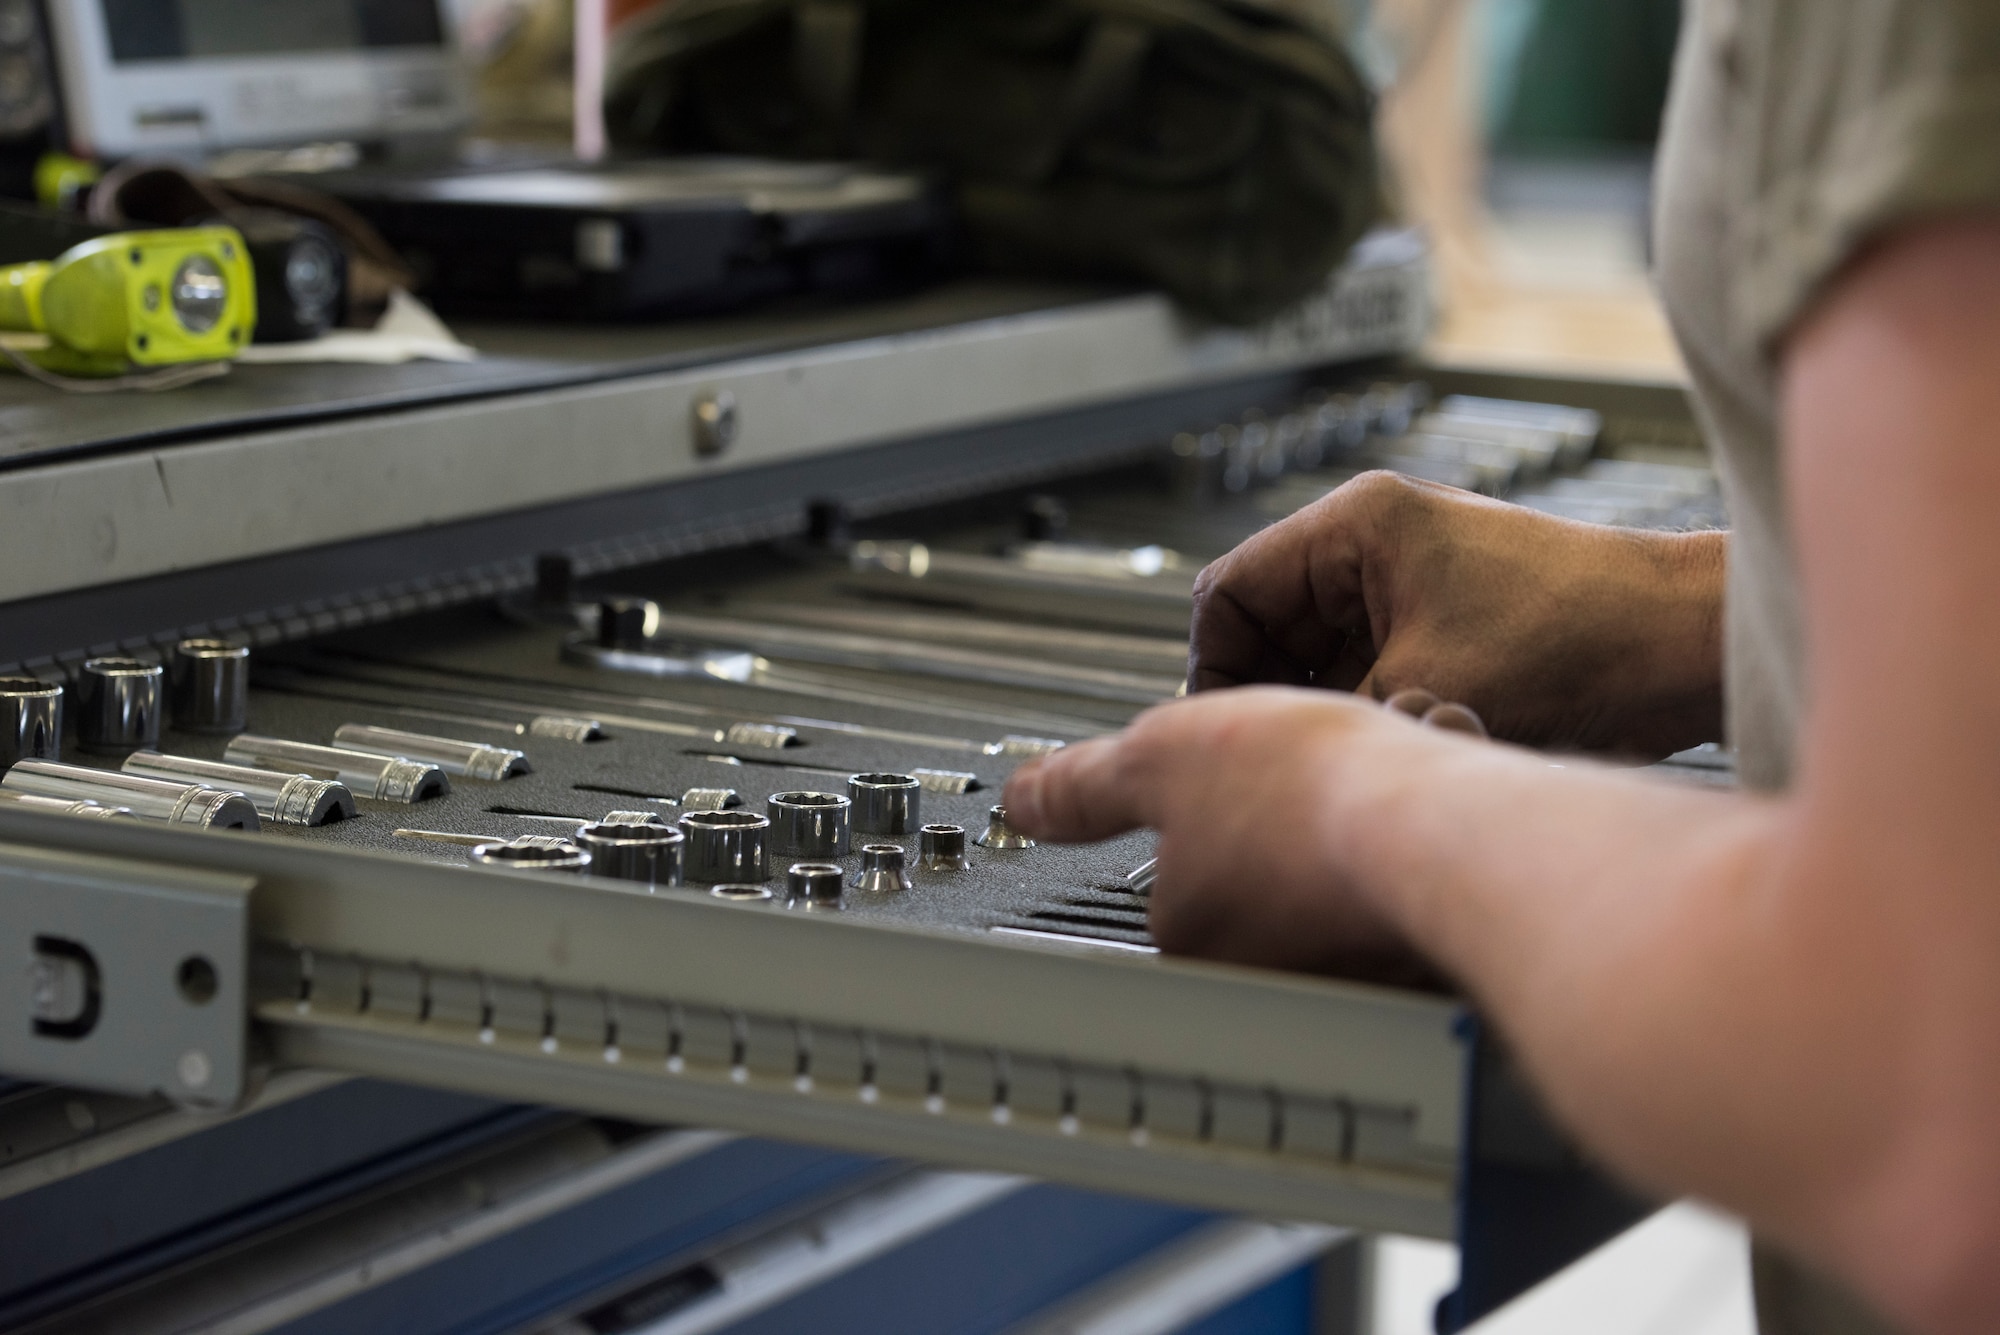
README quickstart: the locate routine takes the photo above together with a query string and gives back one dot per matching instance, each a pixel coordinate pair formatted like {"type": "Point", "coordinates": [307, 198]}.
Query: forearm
{"type": "Point", "coordinates": [1778, 1004]}
{"type": "Point", "coordinates": [1633, 940]}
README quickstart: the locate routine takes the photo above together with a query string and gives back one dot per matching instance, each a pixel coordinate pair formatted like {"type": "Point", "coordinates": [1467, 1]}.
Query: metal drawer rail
{"type": "Point", "coordinates": [1222, 1087]}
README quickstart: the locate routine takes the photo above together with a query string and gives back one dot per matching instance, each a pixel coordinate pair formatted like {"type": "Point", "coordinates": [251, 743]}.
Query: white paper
{"type": "Point", "coordinates": [408, 331]}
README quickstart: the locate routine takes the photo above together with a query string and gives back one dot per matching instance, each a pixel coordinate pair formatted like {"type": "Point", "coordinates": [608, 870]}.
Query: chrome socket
{"type": "Point", "coordinates": [149, 799]}
{"type": "Point", "coordinates": [763, 736]}
{"type": "Point", "coordinates": [815, 885]}
{"type": "Point", "coordinates": [885, 803]}
{"type": "Point", "coordinates": [476, 840]}
{"type": "Point", "coordinates": [953, 781]}
{"type": "Point", "coordinates": [943, 848]}
{"type": "Point", "coordinates": [627, 623]}
{"type": "Point", "coordinates": [882, 870]}
{"type": "Point", "coordinates": [31, 718]}
{"type": "Point", "coordinates": [742, 894]}
{"type": "Point", "coordinates": [645, 854]}
{"type": "Point", "coordinates": [513, 856]}
{"type": "Point", "coordinates": [632, 818]}
{"type": "Point", "coordinates": [118, 704]}
{"type": "Point", "coordinates": [383, 778]}
{"type": "Point", "coordinates": [210, 684]}
{"type": "Point", "coordinates": [724, 847]}
{"type": "Point", "coordinates": [809, 825]}
{"type": "Point", "coordinates": [1140, 879]}
{"type": "Point", "coordinates": [710, 799]}
{"type": "Point", "coordinates": [999, 834]}
{"type": "Point", "coordinates": [474, 760]}
{"type": "Point", "coordinates": [561, 728]}
{"type": "Point", "coordinates": [63, 806]}
{"type": "Point", "coordinates": [1016, 747]}
{"type": "Point", "coordinates": [283, 799]}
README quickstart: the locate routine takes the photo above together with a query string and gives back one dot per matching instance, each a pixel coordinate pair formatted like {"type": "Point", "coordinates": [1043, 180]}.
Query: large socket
{"type": "Point", "coordinates": [646, 854]}
{"type": "Point", "coordinates": [724, 848]}
{"type": "Point", "coordinates": [809, 825]}
{"type": "Point", "coordinates": [886, 803]}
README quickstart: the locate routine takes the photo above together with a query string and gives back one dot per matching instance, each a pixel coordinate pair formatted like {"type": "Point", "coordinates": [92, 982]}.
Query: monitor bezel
{"type": "Point", "coordinates": [200, 106]}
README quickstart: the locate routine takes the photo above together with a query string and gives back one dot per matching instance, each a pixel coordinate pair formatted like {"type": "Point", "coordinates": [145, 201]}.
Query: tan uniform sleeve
{"type": "Point", "coordinates": [1851, 118]}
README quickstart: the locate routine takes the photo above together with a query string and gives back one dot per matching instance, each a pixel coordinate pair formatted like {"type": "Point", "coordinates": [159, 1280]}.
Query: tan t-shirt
{"type": "Point", "coordinates": [1800, 130]}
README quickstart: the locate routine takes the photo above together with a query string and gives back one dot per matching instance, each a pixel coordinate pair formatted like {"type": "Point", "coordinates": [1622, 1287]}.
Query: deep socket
{"type": "Point", "coordinates": [150, 799]}
{"type": "Point", "coordinates": [809, 825]}
{"type": "Point", "coordinates": [882, 870]}
{"type": "Point", "coordinates": [885, 803]}
{"type": "Point", "coordinates": [284, 799]}
{"type": "Point", "coordinates": [31, 718]}
{"type": "Point", "coordinates": [474, 760]}
{"type": "Point", "coordinates": [210, 685]}
{"type": "Point", "coordinates": [646, 854]}
{"type": "Point", "coordinates": [710, 799]}
{"type": "Point", "coordinates": [384, 778]}
{"type": "Point", "coordinates": [118, 704]}
{"type": "Point", "coordinates": [723, 847]}
{"type": "Point", "coordinates": [815, 885]}
{"type": "Point", "coordinates": [63, 806]}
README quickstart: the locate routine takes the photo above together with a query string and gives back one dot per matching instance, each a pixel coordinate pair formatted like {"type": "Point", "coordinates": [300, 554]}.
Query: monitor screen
{"type": "Point", "coordinates": [156, 30]}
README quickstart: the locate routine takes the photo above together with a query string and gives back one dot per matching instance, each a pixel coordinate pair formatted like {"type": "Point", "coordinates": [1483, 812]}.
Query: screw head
{"type": "Point", "coordinates": [716, 422]}
{"type": "Point", "coordinates": [194, 1068]}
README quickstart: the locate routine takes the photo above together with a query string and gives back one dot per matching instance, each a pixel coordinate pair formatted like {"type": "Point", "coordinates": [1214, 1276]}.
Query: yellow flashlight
{"type": "Point", "coordinates": [158, 298]}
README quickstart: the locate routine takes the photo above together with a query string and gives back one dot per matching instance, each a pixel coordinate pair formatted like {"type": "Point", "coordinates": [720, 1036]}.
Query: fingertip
{"type": "Point", "coordinates": [1023, 796]}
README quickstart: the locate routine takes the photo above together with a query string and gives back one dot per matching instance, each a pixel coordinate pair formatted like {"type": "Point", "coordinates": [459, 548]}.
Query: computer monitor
{"type": "Point", "coordinates": [195, 77]}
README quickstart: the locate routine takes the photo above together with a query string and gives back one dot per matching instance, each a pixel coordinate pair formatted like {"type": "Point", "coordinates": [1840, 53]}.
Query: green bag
{"type": "Point", "coordinates": [1221, 149]}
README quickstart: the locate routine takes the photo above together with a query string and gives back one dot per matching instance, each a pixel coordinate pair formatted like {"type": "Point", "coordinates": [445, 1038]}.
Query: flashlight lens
{"type": "Point", "coordinates": [312, 279]}
{"type": "Point", "coordinates": [200, 294]}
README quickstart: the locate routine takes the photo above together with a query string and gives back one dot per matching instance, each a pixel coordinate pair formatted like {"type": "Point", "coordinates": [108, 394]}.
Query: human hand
{"type": "Point", "coordinates": [1247, 790]}
{"type": "Point", "coordinates": [1558, 634]}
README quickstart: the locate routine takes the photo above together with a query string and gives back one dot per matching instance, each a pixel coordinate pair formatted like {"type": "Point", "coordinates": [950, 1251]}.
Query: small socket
{"type": "Point", "coordinates": [118, 704]}
{"type": "Point", "coordinates": [999, 834]}
{"type": "Point", "coordinates": [943, 848]}
{"type": "Point", "coordinates": [210, 685]}
{"type": "Point", "coordinates": [809, 825]}
{"type": "Point", "coordinates": [882, 870]}
{"type": "Point", "coordinates": [627, 623]}
{"type": "Point", "coordinates": [31, 720]}
{"type": "Point", "coordinates": [886, 803]}
{"type": "Point", "coordinates": [815, 885]}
